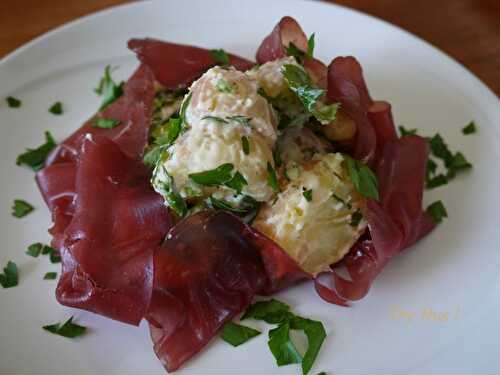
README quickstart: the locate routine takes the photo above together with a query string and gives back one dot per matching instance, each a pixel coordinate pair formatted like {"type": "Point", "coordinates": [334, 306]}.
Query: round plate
{"type": "Point", "coordinates": [434, 309]}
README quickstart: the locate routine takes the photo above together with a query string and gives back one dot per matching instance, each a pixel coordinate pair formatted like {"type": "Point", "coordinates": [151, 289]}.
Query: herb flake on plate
{"type": "Point", "coordinates": [236, 334]}
{"type": "Point", "coordinates": [10, 276]}
{"type": "Point", "coordinates": [35, 158]}
{"type": "Point", "coordinates": [13, 102]}
{"type": "Point", "coordinates": [438, 211]}
{"type": "Point", "coordinates": [108, 89]}
{"type": "Point", "coordinates": [219, 56]}
{"type": "Point", "coordinates": [56, 108]}
{"type": "Point", "coordinates": [105, 123]}
{"type": "Point", "coordinates": [21, 208]}
{"type": "Point", "coordinates": [67, 329]}
{"type": "Point", "coordinates": [50, 276]}
{"type": "Point", "coordinates": [470, 128]}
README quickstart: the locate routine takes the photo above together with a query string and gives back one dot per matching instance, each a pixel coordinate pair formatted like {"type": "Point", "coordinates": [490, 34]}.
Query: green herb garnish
{"type": "Point", "coordinates": [247, 210]}
{"type": "Point", "coordinates": [35, 249]}
{"type": "Point", "coordinates": [13, 102]}
{"type": "Point", "coordinates": [105, 123]}
{"type": "Point", "coordinates": [67, 329]}
{"type": "Point", "coordinates": [300, 83]}
{"type": "Point", "coordinates": [436, 181]}
{"type": "Point", "coordinates": [167, 189]}
{"type": "Point", "coordinates": [308, 194]}
{"type": "Point", "coordinates": [363, 178]}
{"type": "Point", "coordinates": [10, 276]}
{"type": "Point", "coordinates": [35, 158]}
{"type": "Point", "coordinates": [56, 108]}
{"type": "Point", "coordinates": [220, 56]}
{"type": "Point", "coordinates": [272, 179]}
{"type": "Point", "coordinates": [356, 218]}
{"type": "Point", "coordinates": [282, 347]}
{"type": "Point", "coordinates": [236, 334]}
{"type": "Point", "coordinates": [237, 182]}
{"type": "Point", "coordinates": [213, 177]}
{"type": "Point", "coordinates": [438, 211]}
{"type": "Point", "coordinates": [470, 128]}
{"type": "Point", "coordinates": [404, 132]}
{"type": "Point", "coordinates": [223, 86]}
{"type": "Point", "coordinates": [108, 88]}
{"type": "Point", "coordinates": [310, 46]}
{"type": "Point", "coordinates": [50, 276]}
{"type": "Point", "coordinates": [242, 120]}
{"type": "Point", "coordinates": [21, 208]}
{"type": "Point", "coordinates": [245, 145]}
{"type": "Point", "coordinates": [294, 51]}
{"type": "Point", "coordinates": [271, 311]}
{"type": "Point", "coordinates": [216, 119]}
{"type": "Point", "coordinates": [183, 109]}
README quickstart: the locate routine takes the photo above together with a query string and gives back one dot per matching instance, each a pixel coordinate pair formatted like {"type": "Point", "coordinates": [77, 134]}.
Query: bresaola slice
{"type": "Point", "coordinates": [107, 249]}
{"type": "Point", "coordinates": [206, 272]}
{"type": "Point", "coordinates": [176, 65]}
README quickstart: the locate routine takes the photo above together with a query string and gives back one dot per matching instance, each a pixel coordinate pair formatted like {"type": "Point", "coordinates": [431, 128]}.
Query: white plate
{"type": "Point", "coordinates": [433, 310]}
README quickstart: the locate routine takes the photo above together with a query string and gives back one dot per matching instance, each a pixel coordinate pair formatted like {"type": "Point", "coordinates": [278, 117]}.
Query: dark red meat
{"type": "Point", "coordinates": [207, 272]}
{"type": "Point", "coordinates": [177, 65]}
{"type": "Point", "coordinates": [107, 249]}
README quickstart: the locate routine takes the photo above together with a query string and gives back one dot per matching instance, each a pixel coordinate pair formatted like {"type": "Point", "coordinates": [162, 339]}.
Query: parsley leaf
{"type": "Point", "coordinates": [436, 181]}
{"type": "Point", "coordinates": [300, 83]}
{"type": "Point", "coordinates": [248, 209]}
{"type": "Point", "coordinates": [213, 177]}
{"type": "Point", "coordinates": [237, 182]}
{"type": "Point", "coordinates": [282, 347]}
{"type": "Point", "coordinates": [438, 211]}
{"type": "Point", "coordinates": [356, 218]}
{"type": "Point", "coordinates": [404, 132]}
{"type": "Point", "coordinates": [108, 88]}
{"type": "Point", "coordinates": [271, 311]}
{"type": "Point", "coordinates": [308, 194]}
{"type": "Point", "coordinates": [34, 250]}
{"type": "Point", "coordinates": [459, 162]}
{"type": "Point", "coordinates": [316, 335]}
{"type": "Point", "coordinates": [220, 56]}
{"type": "Point", "coordinates": [470, 128]}
{"type": "Point", "coordinates": [310, 46]}
{"type": "Point", "coordinates": [272, 180]}
{"type": "Point", "coordinates": [105, 123]}
{"type": "Point", "coordinates": [21, 208]}
{"type": "Point", "coordinates": [242, 120]}
{"type": "Point", "coordinates": [10, 276]}
{"type": "Point", "coordinates": [67, 329]}
{"type": "Point", "coordinates": [172, 133]}
{"type": "Point", "coordinates": [245, 145]}
{"type": "Point", "coordinates": [216, 119]}
{"type": "Point", "coordinates": [363, 178]}
{"type": "Point", "coordinates": [167, 189]}
{"type": "Point", "coordinates": [56, 108]}
{"type": "Point", "coordinates": [35, 158]}
{"type": "Point", "coordinates": [13, 102]}
{"type": "Point", "coordinates": [50, 276]}
{"type": "Point", "coordinates": [236, 334]}
{"type": "Point", "coordinates": [183, 109]}
{"type": "Point", "coordinates": [294, 51]}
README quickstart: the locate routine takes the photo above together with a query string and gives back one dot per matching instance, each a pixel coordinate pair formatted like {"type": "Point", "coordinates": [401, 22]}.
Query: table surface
{"type": "Point", "coordinates": [468, 30]}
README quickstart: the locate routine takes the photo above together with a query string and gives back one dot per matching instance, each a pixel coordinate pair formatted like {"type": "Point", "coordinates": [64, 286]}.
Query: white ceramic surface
{"type": "Point", "coordinates": [434, 310]}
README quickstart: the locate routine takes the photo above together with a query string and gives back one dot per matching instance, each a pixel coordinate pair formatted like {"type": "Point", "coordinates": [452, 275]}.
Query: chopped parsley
{"type": "Point", "coordinates": [216, 119]}
{"type": "Point", "coordinates": [404, 132]}
{"type": "Point", "coordinates": [247, 210]}
{"type": "Point", "coordinates": [236, 334]}
{"type": "Point", "coordinates": [272, 179]}
{"type": "Point", "coordinates": [280, 343]}
{"type": "Point", "coordinates": [67, 329]}
{"type": "Point", "coordinates": [237, 182]}
{"type": "Point", "coordinates": [21, 208]}
{"type": "Point", "coordinates": [167, 189]}
{"type": "Point", "coordinates": [35, 249]}
{"type": "Point", "coordinates": [35, 158]}
{"type": "Point", "coordinates": [105, 123]}
{"type": "Point", "coordinates": [470, 128]}
{"type": "Point", "coordinates": [436, 181]}
{"type": "Point", "coordinates": [163, 142]}
{"type": "Point", "coordinates": [56, 108]}
{"type": "Point", "coordinates": [183, 109]}
{"type": "Point", "coordinates": [310, 46]}
{"type": "Point", "coordinates": [300, 83]}
{"type": "Point", "coordinates": [242, 120]}
{"type": "Point", "coordinates": [10, 276]}
{"type": "Point", "coordinates": [50, 276]}
{"type": "Point", "coordinates": [294, 51]}
{"type": "Point", "coordinates": [223, 86]}
{"type": "Point", "coordinates": [438, 211]}
{"type": "Point", "coordinates": [38, 248]}
{"type": "Point", "coordinates": [108, 89]}
{"type": "Point", "coordinates": [220, 56]}
{"type": "Point", "coordinates": [308, 194]}
{"type": "Point", "coordinates": [245, 145]}
{"type": "Point", "coordinates": [214, 177]}
{"type": "Point", "coordinates": [356, 218]}
{"type": "Point", "coordinates": [363, 178]}
{"type": "Point", "coordinates": [13, 102]}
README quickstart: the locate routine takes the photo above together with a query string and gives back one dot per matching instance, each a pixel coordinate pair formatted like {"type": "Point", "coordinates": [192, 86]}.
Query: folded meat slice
{"type": "Point", "coordinates": [177, 65]}
{"type": "Point", "coordinates": [207, 272]}
{"type": "Point", "coordinates": [107, 249]}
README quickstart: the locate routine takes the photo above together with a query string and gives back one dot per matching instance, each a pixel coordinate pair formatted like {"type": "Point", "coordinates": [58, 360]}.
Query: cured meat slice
{"type": "Point", "coordinates": [177, 65]}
